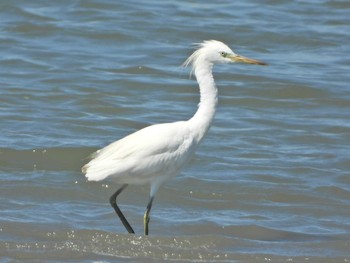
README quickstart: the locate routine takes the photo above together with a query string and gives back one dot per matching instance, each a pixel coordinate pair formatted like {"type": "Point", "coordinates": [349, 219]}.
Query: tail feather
{"type": "Point", "coordinates": [96, 172]}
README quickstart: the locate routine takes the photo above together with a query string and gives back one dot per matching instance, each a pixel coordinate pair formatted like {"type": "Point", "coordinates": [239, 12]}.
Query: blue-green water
{"type": "Point", "coordinates": [270, 182]}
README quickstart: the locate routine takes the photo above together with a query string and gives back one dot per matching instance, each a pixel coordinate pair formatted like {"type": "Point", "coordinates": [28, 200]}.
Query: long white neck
{"type": "Point", "coordinates": [201, 121]}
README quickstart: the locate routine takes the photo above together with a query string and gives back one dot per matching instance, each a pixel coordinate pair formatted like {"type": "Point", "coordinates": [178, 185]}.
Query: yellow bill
{"type": "Point", "coordinates": [238, 58]}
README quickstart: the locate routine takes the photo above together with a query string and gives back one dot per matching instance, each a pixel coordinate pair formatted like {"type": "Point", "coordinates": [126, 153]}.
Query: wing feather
{"type": "Point", "coordinates": [143, 155]}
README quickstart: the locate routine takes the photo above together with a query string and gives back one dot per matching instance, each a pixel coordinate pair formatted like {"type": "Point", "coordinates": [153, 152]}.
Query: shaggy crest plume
{"type": "Point", "coordinates": [202, 49]}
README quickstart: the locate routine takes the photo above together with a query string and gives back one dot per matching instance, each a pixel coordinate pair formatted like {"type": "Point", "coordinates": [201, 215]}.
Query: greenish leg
{"type": "Point", "coordinates": [146, 216]}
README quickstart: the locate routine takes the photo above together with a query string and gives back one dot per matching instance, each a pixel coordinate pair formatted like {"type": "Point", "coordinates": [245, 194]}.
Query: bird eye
{"type": "Point", "coordinates": [224, 54]}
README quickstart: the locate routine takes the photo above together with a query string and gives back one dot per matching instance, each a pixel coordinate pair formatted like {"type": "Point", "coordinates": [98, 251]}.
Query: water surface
{"type": "Point", "coordinates": [270, 182]}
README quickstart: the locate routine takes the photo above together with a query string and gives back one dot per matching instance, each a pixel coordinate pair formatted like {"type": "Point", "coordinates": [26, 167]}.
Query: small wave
{"type": "Point", "coordinates": [56, 159]}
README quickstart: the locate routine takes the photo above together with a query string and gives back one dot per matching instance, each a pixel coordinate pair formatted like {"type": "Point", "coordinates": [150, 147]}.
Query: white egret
{"type": "Point", "coordinates": [156, 153]}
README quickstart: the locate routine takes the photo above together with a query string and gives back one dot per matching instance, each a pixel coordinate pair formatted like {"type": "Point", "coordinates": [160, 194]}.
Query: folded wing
{"type": "Point", "coordinates": [156, 151]}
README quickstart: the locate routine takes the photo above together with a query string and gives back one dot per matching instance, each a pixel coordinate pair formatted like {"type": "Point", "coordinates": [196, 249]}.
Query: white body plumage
{"type": "Point", "coordinates": [164, 150]}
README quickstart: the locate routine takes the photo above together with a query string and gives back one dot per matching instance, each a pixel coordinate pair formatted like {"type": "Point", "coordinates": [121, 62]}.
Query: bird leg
{"type": "Point", "coordinates": [146, 216]}
{"type": "Point", "coordinates": [113, 202]}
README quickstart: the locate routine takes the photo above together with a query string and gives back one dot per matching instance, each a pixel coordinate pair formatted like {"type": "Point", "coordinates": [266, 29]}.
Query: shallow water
{"type": "Point", "coordinates": [270, 182]}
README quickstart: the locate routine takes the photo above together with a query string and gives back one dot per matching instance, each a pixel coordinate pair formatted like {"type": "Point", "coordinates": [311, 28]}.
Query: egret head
{"type": "Point", "coordinates": [213, 52]}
